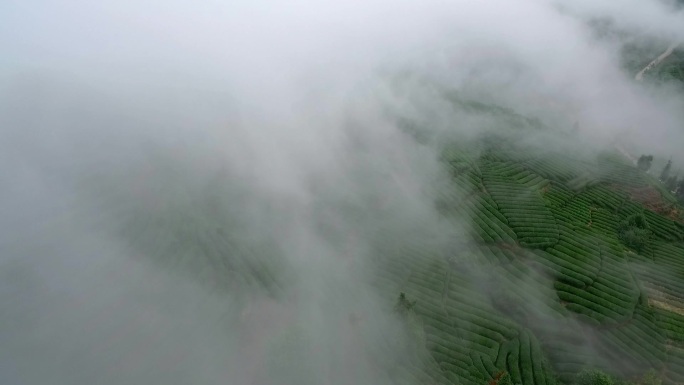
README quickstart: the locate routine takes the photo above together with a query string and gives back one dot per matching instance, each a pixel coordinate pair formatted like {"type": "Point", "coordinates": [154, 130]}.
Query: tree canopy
{"type": "Point", "coordinates": [644, 162]}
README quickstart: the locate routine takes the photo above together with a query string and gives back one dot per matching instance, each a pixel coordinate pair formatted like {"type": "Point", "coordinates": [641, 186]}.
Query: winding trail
{"type": "Point", "coordinates": [656, 61]}
{"type": "Point", "coordinates": [626, 154]}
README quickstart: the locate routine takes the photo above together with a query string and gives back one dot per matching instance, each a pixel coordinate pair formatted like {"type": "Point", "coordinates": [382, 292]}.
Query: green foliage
{"type": "Point", "coordinates": [644, 162]}
{"type": "Point", "coordinates": [634, 231]}
{"type": "Point", "coordinates": [637, 220]}
{"type": "Point", "coordinates": [635, 238]}
{"type": "Point", "coordinates": [403, 305]}
{"type": "Point", "coordinates": [651, 378]}
{"type": "Point", "coordinates": [558, 221]}
{"type": "Point", "coordinates": [593, 377]}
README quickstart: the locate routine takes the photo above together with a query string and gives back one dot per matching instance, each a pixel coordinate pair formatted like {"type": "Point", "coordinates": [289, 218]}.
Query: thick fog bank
{"type": "Point", "coordinates": [200, 192]}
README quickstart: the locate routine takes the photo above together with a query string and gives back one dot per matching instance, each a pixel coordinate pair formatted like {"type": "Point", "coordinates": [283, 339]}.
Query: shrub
{"type": "Point", "coordinates": [593, 377]}
{"type": "Point", "coordinates": [644, 162]}
{"type": "Point", "coordinates": [634, 231]}
{"type": "Point", "coordinates": [403, 305]}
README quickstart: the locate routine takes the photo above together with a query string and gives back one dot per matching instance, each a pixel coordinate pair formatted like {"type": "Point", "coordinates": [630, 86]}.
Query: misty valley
{"type": "Point", "coordinates": [469, 193]}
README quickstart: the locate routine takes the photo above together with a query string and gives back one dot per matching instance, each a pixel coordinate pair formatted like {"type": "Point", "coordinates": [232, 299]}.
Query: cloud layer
{"type": "Point", "coordinates": [198, 192]}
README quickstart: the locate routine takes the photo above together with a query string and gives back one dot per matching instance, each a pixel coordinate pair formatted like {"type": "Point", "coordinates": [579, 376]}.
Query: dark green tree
{"type": "Point", "coordinates": [634, 231]}
{"type": "Point", "coordinates": [403, 305]}
{"type": "Point", "coordinates": [666, 171]}
{"type": "Point", "coordinates": [501, 378]}
{"type": "Point", "coordinates": [651, 378]}
{"type": "Point", "coordinates": [505, 379]}
{"type": "Point", "coordinates": [598, 377]}
{"type": "Point", "coordinates": [644, 162]}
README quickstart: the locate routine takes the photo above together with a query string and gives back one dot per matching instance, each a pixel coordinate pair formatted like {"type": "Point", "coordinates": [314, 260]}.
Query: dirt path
{"type": "Point", "coordinates": [656, 61]}
{"type": "Point", "coordinates": [626, 154]}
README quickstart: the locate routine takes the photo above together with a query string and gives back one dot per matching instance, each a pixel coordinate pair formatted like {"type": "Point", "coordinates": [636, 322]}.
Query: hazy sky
{"type": "Point", "coordinates": [122, 114]}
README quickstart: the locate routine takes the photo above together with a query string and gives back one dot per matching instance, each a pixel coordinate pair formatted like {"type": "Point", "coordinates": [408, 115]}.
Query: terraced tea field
{"type": "Point", "coordinates": [547, 287]}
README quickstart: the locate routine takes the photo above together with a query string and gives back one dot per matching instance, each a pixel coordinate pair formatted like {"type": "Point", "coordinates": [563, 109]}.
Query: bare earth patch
{"type": "Point", "coordinates": [651, 199]}
{"type": "Point", "coordinates": [666, 306]}
{"type": "Point", "coordinates": [661, 300]}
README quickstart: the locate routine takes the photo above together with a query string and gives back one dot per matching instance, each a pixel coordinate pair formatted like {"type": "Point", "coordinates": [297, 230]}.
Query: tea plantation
{"type": "Point", "coordinates": [547, 286]}
{"type": "Point", "coordinates": [558, 263]}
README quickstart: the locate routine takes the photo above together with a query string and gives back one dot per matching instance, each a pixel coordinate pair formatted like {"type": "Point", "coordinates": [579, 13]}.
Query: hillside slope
{"type": "Point", "coordinates": [542, 284]}
{"type": "Point", "coordinates": [546, 285]}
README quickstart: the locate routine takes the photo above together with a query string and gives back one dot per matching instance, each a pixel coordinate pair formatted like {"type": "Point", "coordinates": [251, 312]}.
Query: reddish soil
{"type": "Point", "coordinates": [495, 380]}
{"type": "Point", "coordinates": [650, 198]}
